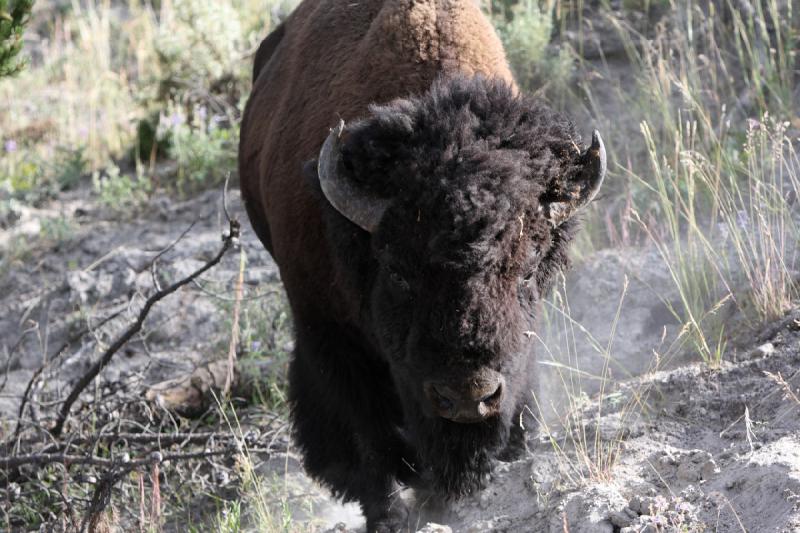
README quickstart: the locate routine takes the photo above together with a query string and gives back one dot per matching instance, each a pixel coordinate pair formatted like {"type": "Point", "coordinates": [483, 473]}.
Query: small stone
{"type": "Point", "coordinates": [637, 505]}
{"type": "Point", "coordinates": [765, 350]}
{"type": "Point", "coordinates": [620, 519]}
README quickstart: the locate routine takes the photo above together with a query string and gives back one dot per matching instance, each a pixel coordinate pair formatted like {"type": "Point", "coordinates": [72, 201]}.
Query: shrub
{"type": "Point", "coordinates": [32, 178]}
{"type": "Point", "coordinates": [12, 22]}
{"type": "Point", "coordinates": [526, 29]}
{"type": "Point", "coordinates": [56, 230]}
{"type": "Point", "coordinates": [197, 45]}
{"type": "Point", "coordinates": [202, 145]}
{"type": "Point", "coordinates": [118, 191]}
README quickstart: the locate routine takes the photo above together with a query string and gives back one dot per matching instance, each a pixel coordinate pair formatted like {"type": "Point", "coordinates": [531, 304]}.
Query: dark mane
{"type": "Point", "coordinates": [468, 159]}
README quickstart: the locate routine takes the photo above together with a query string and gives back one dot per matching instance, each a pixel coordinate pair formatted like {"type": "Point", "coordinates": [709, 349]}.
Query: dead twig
{"type": "Point", "coordinates": [152, 265]}
{"type": "Point", "coordinates": [74, 338]}
{"type": "Point", "coordinates": [41, 459]}
{"type": "Point", "coordinates": [788, 393]}
{"type": "Point", "coordinates": [235, 326]}
{"type": "Point", "coordinates": [161, 439]}
{"type": "Point", "coordinates": [228, 241]}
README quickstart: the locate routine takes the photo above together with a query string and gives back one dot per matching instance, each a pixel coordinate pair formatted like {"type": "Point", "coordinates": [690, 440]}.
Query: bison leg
{"type": "Point", "coordinates": [523, 421]}
{"type": "Point", "coordinates": [346, 415]}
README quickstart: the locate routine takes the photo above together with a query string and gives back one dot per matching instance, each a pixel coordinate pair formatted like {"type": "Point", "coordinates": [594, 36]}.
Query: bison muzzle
{"type": "Point", "coordinates": [418, 207]}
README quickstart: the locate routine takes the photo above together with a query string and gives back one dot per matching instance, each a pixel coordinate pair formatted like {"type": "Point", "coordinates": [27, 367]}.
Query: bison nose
{"type": "Point", "coordinates": [466, 401]}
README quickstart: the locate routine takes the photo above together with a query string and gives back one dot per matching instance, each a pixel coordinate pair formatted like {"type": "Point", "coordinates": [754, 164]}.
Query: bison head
{"type": "Point", "coordinates": [449, 214]}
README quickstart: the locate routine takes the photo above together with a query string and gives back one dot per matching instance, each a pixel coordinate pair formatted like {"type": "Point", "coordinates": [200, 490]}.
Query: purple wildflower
{"type": "Point", "coordinates": [10, 146]}
{"type": "Point", "coordinates": [659, 520]}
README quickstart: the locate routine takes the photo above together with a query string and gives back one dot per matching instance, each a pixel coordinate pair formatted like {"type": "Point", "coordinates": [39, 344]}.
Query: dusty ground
{"type": "Point", "coordinates": [689, 448]}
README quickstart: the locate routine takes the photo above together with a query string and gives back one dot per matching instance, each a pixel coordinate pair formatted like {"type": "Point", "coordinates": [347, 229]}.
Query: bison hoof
{"type": "Point", "coordinates": [393, 521]}
{"type": "Point", "coordinates": [516, 448]}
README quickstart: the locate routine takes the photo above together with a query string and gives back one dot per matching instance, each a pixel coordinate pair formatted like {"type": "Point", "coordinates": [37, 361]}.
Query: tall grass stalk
{"type": "Point", "coordinates": [714, 189]}
{"type": "Point", "coordinates": [584, 451]}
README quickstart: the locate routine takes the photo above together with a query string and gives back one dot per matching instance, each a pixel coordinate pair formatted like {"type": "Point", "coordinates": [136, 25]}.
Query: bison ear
{"type": "Point", "coordinates": [581, 189]}
{"type": "Point", "coordinates": [353, 203]}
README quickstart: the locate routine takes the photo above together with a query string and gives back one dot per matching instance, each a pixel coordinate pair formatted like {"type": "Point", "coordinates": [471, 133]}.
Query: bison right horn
{"type": "Point", "coordinates": [358, 207]}
{"type": "Point", "coordinates": [582, 189]}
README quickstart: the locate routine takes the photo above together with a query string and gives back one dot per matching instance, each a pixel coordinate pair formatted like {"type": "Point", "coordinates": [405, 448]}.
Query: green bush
{"type": "Point", "coordinates": [203, 147]}
{"type": "Point", "coordinates": [526, 29]}
{"type": "Point", "coordinates": [32, 178]}
{"type": "Point", "coordinates": [13, 18]}
{"type": "Point", "coordinates": [56, 230]}
{"type": "Point", "coordinates": [197, 45]}
{"type": "Point", "coordinates": [120, 192]}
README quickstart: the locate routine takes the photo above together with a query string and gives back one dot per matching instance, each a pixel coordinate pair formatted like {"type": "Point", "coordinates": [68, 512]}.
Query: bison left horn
{"type": "Point", "coordinates": [581, 189]}
{"type": "Point", "coordinates": [358, 207]}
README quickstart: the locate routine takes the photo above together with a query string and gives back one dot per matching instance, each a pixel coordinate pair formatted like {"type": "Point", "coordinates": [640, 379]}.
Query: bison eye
{"type": "Point", "coordinates": [398, 281]}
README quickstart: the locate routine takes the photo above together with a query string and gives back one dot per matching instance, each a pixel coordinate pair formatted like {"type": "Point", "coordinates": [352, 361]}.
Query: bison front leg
{"type": "Point", "coordinates": [346, 414]}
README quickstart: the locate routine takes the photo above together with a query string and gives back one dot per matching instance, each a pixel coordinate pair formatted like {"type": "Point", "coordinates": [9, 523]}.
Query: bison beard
{"type": "Point", "coordinates": [457, 457]}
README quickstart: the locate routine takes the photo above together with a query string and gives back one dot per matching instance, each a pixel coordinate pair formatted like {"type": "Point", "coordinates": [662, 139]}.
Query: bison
{"type": "Point", "coordinates": [418, 206]}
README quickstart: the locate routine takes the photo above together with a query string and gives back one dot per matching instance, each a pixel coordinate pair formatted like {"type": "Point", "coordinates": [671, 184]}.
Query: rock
{"type": "Point", "coordinates": [638, 505]}
{"type": "Point", "coordinates": [622, 518]}
{"type": "Point", "coordinates": [191, 395]}
{"type": "Point", "coordinates": [765, 350]}
{"type": "Point", "coordinates": [90, 286]}
{"type": "Point", "coordinates": [698, 465]}
{"type": "Point", "coordinates": [430, 527]}
{"type": "Point", "coordinates": [589, 511]}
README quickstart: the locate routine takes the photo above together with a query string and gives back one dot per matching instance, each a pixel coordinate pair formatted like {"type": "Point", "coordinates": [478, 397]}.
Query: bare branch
{"type": "Point", "coordinates": [74, 338]}
{"type": "Point", "coordinates": [41, 459]}
{"type": "Point", "coordinates": [229, 239]}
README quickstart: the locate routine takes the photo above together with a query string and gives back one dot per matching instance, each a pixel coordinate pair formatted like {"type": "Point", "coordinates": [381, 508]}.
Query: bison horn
{"type": "Point", "coordinates": [584, 187]}
{"type": "Point", "coordinates": [343, 195]}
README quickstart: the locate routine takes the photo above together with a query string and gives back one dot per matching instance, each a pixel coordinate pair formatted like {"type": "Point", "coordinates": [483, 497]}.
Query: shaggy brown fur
{"type": "Point", "coordinates": [447, 284]}
{"type": "Point", "coordinates": [334, 59]}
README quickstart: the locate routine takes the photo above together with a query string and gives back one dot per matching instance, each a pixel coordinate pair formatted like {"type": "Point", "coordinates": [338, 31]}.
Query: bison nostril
{"type": "Point", "coordinates": [493, 397]}
{"type": "Point", "coordinates": [442, 402]}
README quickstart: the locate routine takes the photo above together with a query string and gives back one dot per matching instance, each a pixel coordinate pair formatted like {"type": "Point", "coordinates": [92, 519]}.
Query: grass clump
{"type": "Point", "coordinates": [709, 176]}
{"type": "Point", "coordinates": [586, 434]}
{"type": "Point", "coordinates": [119, 191]}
